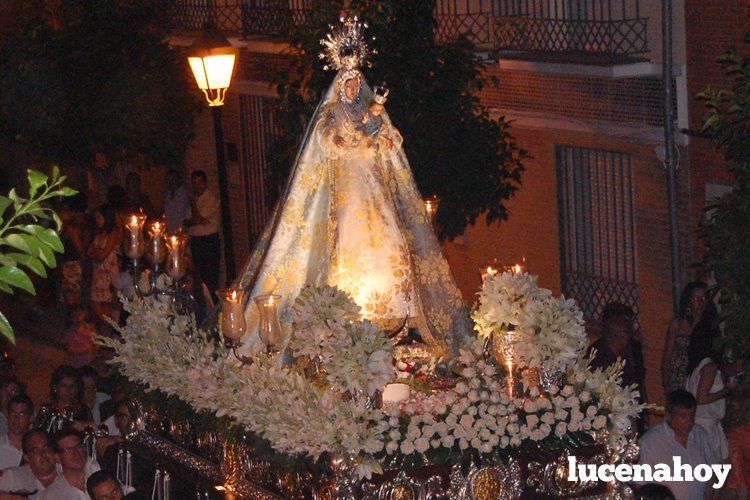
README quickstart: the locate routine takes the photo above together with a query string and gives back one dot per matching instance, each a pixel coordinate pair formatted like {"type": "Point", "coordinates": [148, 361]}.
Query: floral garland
{"type": "Point", "coordinates": [299, 415]}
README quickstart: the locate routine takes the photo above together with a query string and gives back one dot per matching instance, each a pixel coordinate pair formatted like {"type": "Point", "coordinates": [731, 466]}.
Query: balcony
{"type": "Point", "coordinates": [604, 30]}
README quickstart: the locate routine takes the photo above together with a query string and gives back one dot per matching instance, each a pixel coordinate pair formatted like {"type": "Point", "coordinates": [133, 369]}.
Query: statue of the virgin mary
{"type": "Point", "coordinates": [351, 216]}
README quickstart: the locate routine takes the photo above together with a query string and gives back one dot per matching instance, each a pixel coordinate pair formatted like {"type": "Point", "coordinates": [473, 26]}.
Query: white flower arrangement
{"type": "Point", "coordinates": [163, 350]}
{"type": "Point", "coordinates": [546, 331]}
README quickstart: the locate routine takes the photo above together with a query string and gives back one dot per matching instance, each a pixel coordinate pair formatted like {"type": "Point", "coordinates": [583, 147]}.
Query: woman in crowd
{"type": "Point", "coordinates": [9, 388]}
{"type": "Point", "coordinates": [74, 239]}
{"type": "Point", "coordinates": [103, 252]}
{"type": "Point", "coordinates": [706, 383]}
{"type": "Point", "coordinates": [697, 319]}
{"type": "Point", "coordinates": [66, 403]}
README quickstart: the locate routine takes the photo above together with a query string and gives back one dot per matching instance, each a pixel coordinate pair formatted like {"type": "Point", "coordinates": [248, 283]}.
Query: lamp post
{"type": "Point", "coordinates": [211, 59]}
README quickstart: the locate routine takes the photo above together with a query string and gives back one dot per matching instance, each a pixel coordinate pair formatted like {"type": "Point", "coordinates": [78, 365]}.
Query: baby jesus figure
{"type": "Point", "coordinates": [372, 121]}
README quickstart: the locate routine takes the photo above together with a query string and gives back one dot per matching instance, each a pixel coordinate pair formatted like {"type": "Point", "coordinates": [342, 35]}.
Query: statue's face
{"type": "Point", "coordinates": [351, 88]}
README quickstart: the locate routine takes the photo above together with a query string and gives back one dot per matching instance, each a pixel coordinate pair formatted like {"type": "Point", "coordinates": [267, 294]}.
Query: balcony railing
{"type": "Point", "coordinates": [610, 28]}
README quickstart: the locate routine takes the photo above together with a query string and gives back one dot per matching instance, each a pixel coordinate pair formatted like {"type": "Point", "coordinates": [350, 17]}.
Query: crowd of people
{"type": "Point", "coordinates": [93, 269]}
{"type": "Point", "coordinates": [707, 410]}
{"type": "Point", "coordinates": [69, 447]}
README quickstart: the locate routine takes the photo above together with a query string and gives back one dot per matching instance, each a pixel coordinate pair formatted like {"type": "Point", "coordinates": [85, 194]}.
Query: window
{"type": "Point", "coordinates": [258, 133]}
{"type": "Point", "coordinates": [597, 237]}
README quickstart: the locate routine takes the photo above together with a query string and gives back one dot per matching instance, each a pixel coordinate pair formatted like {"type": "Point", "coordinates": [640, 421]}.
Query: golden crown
{"type": "Point", "coordinates": [345, 47]}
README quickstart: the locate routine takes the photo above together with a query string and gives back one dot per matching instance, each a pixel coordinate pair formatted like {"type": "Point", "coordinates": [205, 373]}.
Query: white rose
{"type": "Point", "coordinates": [591, 411]}
{"type": "Point", "coordinates": [407, 447]}
{"type": "Point", "coordinates": [529, 406]}
{"type": "Point", "coordinates": [585, 396]}
{"type": "Point", "coordinates": [532, 420]}
{"type": "Point", "coordinates": [560, 429]}
{"type": "Point", "coordinates": [394, 422]}
{"type": "Point", "coordinates": [504, 441]}
{"type": "Point", "coordinates": [422, 444]}
{"type": "Point", "coordinates": [545, 430]}
{"type": "Point", "coordinates": [567, 391]}
{"type": "Point", "coordinates": [600, 422]}
{"type": "Point", "coordinates": [561, 414]}
{"type": "Point", "coordinates": [515, 441]}
{"type": "Point", "coordinates": [413, 432]}
{"type": "Point", "coordinates": [395, 435]}
{"type": "Point", "coordinates": [391, 447]}
{"type": "Point", "coordinates": [463, 444]}
{"type": "Point", "coordinates": [476, 443]}
{"type": "Point", "coordinates": [428, 431]}
{"type": "Point", "coordinates": [548, 418]}
{"type": "Point", "coordinates": [448, 441]}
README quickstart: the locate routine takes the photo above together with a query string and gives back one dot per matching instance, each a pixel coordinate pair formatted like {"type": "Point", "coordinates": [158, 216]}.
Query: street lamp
{"type": "Point", "coordinates": [212, 59]}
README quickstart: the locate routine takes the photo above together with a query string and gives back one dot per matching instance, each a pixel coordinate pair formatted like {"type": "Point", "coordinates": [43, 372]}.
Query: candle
{"type": "Point", "coordinates": [134, 244]}
{"type": "Point", "coordinates": [431, 205]}
{"type": "Point", "coordinates": [517, 269]}
{"type": "Point", "coordinates": [232, 313]}
{"type": "Point", "coordinates": [488, 271]}
{"type": "Point", "coordinates": [176, 247]}
{"type": "Point", "coordinates": [156, 246]}
{"type": "Point", "coordinates": [395, 393]}
{"type": "Point", "coordinates": [269, 327]}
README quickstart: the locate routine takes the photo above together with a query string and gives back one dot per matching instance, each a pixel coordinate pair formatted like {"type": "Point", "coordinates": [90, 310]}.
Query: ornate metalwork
{"type": "Point", "coordinates": [487, 482]}
{"type": "Point", "coordinates": [542, 26]}
{"type": "Point", "coordinates": [197, 465]}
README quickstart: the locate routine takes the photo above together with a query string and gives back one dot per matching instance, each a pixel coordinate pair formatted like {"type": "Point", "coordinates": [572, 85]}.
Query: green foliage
{"type": "Point", "coordinates": [94, 76]}
{"type": "Point", "coordinates": [25, 245]}
{"type": "Point", "coordinates": [456, 150]}
{"type": "Point", "coordinates": [727, 227]}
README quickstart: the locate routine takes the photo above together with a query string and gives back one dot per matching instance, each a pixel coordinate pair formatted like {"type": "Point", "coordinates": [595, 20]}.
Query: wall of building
{"type": "Point", "coordinates": [713, 28]}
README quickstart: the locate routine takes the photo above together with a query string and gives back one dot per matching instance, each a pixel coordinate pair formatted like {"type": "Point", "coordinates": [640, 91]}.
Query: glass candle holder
{"type": "Point", "coordinates": [431, 205]}
{"type": "Point", "coordinates": [135, 245]}
{"type": "Point", "coordinates": [269, 326]}
{"type": "Point", "coordinates": [176, 266]}
{"type": "Point", "coordinates": [488, 271]}
{"type": "Point", "coordinates": [157, 248]}
{"type": "Point", "coordinates": [232, 313]}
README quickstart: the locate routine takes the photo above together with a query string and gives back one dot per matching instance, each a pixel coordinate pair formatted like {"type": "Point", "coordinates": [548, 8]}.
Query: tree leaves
{"type": "Point", "coordinates": [36, 245]}
{"type": "Point", "coordinates": [726, 227]}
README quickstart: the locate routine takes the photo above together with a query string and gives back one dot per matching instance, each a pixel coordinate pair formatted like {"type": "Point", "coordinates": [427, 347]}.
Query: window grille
{"type": "Point", "coordinates": [258, 133]}
{"type": "Point", "coordinates": [597, 236]}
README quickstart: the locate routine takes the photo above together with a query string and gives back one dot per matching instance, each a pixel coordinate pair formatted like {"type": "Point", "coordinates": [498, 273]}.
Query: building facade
{"type": "Point", "coordinates": [581, 81]}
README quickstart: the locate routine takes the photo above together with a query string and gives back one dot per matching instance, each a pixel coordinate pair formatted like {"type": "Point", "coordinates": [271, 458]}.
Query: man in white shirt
{"type": "Point", "coordinates": [39, 471]}
{"type": "Point", "coordinates": [678, 435]}
{"type": "Point", "coordinates": [20, 413]}
{"type": "Point", "coordinates": [204, 225]}
{"type": "Point", "coordinates": [71, 454]}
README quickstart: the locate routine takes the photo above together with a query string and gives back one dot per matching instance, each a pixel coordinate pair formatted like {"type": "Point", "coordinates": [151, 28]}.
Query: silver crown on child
{"type": "Point", "coordinates": [380, 94]}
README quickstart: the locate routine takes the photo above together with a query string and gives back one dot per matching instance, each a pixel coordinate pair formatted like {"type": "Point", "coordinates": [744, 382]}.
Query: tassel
{"type": "Point", "coordinates": [167, 486]}
{"type": "Point", "coordinates": [155, 490]}
{"type": "Point", "coordinates": [120, 465]}
{"type": "Point", "coordinates": [128, 470]}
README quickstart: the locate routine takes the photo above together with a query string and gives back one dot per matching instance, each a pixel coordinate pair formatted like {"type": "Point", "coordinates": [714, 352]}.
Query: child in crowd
{"type": "Point", "coordinates": [79, 338]}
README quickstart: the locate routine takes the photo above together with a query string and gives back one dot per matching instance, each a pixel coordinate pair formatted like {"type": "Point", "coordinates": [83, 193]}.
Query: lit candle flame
{"type": "Point", "coordinates": [270, 300]}
{"type": "Point", "coordinates": [517, 269]}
